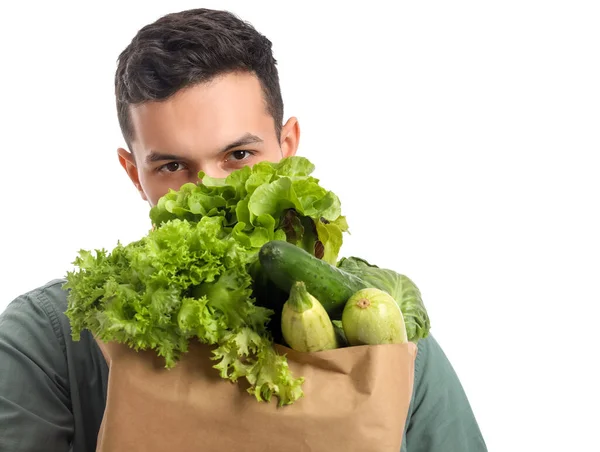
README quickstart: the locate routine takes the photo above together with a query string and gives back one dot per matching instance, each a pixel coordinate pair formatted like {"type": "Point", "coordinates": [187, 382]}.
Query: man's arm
{"type": "Point", "coordinates": [35, 409]}
{"type": "Point", "coordinates": [440, 417]}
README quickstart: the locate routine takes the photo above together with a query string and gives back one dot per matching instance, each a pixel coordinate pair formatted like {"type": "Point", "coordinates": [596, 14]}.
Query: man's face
{"type": "Point", "coordinates": [215, 127]}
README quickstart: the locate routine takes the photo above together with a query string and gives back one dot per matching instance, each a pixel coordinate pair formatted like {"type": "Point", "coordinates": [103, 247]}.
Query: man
{"type": "Point", "coordinates": [196, 90]}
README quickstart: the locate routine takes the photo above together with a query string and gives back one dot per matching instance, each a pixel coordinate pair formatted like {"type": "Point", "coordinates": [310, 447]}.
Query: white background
{"type": "Point", "coordinates": [462, 138]}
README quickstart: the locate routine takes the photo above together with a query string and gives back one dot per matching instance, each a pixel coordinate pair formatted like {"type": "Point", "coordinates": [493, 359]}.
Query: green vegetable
{"type": "Point", "coordinates": [372, 317]}
{"type": "Point", "coordinates": [400, 287]}
{"type": "Point", "coordinates": [339, 331]}
{"type": "Point", "coordinates": [192, 276]}
{"type": "Point", "coordinates": [286, 264]}
{"type": "Point", "coordinates": [305, 324]}
{"type": "Point", "coordinates": [270, 201]}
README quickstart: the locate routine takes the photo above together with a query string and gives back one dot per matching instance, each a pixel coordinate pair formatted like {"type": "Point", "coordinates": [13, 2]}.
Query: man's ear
{"type": "Point", "coordinates": [290, 137]}
{"type": "Point", "coordinates": [127, 161]}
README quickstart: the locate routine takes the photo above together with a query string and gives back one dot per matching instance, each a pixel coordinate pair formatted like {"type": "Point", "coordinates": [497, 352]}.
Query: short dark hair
{"type": "Point", "coordinates": [189, 47]}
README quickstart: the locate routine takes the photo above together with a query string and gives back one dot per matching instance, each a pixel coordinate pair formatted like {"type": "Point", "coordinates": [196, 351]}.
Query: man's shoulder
{"type": "Point", "coordinates": [65, 380]}
{"type": "Point", "coordinates": [51, 293]}
{"type": "Point", "coordinates": [35, 323]}
{"type": "Point", "coordinates": [48, 300]}
{"type": "Point", "coordinates": [37, 314]}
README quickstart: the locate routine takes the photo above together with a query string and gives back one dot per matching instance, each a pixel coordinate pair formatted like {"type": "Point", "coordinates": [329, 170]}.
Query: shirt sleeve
{"type": "Point", "coordinates": [35, 408]}
{"type": "Point", "coordinates": [441, 418]}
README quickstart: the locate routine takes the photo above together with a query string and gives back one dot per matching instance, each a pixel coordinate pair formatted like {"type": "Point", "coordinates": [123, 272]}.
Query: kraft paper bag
{"type": "Point", "coordinates": [355, 399]}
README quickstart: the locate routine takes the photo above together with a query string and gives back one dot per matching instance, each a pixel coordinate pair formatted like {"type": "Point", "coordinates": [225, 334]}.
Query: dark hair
{"type": "Point", "coordinates": [190, 47]}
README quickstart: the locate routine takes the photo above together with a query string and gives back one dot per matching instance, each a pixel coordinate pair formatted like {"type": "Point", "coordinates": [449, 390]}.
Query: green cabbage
{"type": "Point", "coordinates": [400, 287]}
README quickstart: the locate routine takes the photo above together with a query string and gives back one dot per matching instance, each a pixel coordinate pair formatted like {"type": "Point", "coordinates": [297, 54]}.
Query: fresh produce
{"type": "Point", "coordinates": [191, 277]}
{"type": "Point", "coordinates": [270, 201]}
{"type": "Point", "coordinates": [286, 264]}
{"type": "Point", "coordinates": [371, 317]}
{"type": "Point", "coordinates": [339, 331]}
{"type": "Point", "coordinates": [222, 265]}
{"type": "Point", "coordinates": [400, 287]}
{"type": "Point", "coordinates": [305, 324]}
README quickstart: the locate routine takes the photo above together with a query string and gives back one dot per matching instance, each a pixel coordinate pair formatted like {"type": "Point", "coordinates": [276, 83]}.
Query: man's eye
{"type": "Point", "coordinates": [239, 155]}
{"type": "Point", "coordinates": [171, 167]}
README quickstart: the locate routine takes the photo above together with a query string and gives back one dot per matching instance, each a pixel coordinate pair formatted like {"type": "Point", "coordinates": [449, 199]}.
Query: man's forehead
{"type": "Point", "coordinates": [207, 117]}
{"type": "Point", "coordinates": [236, 88]}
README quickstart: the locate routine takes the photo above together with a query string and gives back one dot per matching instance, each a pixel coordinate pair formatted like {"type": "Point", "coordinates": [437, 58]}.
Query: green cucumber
{"type": "Point", "coordinates": [285, 264]}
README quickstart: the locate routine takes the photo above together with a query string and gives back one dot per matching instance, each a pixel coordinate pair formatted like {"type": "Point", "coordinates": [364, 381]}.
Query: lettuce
{"type": "Point", "coordinates": [258, 203]}
{"type": "Point", "coordinates": [191, 277]}
{"type": "Point", "coordinates": [400, 287]}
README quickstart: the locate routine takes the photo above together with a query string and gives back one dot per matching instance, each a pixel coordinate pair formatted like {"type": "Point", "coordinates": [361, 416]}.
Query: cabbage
{"type": "Point", "coordinates": [400, 287]}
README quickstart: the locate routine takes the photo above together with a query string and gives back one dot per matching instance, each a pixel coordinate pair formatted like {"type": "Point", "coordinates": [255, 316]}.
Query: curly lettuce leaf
{"type": "Point", "coordinates": [182, 281]}
{"type": "Point", "coordinates": [269, 374]}
{"type": "Point", "coordinates": [400, 287]}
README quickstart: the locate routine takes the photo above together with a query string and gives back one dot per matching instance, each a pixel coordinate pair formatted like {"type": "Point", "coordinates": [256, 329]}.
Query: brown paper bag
{"type": "Point", "coordinates": [355, 399]}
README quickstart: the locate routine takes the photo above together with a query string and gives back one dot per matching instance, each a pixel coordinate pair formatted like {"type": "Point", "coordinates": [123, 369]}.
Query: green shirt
{"type": "Point", "coordinates": [53, 390]}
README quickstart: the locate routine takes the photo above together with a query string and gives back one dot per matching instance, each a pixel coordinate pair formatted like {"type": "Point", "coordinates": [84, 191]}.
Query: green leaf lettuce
{"type": "Point", "coordinates": [255, 202]}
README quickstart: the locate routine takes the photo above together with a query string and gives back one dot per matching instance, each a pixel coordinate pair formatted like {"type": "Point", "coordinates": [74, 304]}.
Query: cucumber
{"type": "Point", "coordinates": [285, 264]}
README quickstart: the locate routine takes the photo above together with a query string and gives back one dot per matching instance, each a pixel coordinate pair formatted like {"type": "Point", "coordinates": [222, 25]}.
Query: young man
{"type": "Point", "coordinates": [196, 90]}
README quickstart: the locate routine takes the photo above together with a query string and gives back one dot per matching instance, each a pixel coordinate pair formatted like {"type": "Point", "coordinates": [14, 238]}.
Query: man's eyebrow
{"type": "Point", "coordinates": [247, 139]}
{"type": "Point", "coordinates": [155, 156]}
